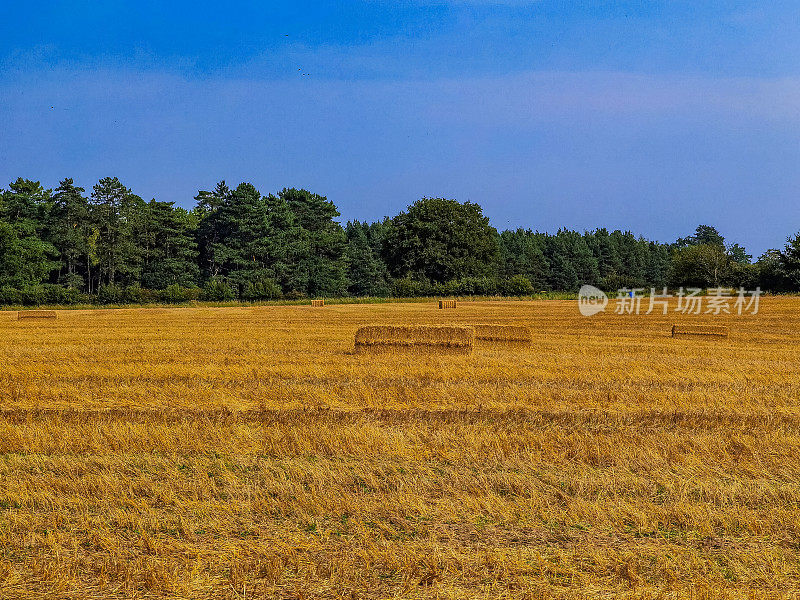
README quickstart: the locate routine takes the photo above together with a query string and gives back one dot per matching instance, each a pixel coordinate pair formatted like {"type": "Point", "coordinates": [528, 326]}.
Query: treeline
{"type": "Point", "coordinates": [65, 246]}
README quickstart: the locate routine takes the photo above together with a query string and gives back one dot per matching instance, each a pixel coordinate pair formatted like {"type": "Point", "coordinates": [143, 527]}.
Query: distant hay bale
{"type": "Point", "coordinates": [447, 303]}
{"type": "Point", "coordinates": [700, 330]}
{"type": "Point", "coordinates": [318, 302]}
{"type": "Point", "coordinates": [518, 334]}
{"type": "Point", "coordinates": [438, 338]}
{"type": "Point", "coordinates": [36, 314]}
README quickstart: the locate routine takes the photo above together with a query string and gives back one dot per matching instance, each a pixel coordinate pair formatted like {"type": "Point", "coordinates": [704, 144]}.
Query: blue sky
{"type": "Point", "coordinates": [648, 116]}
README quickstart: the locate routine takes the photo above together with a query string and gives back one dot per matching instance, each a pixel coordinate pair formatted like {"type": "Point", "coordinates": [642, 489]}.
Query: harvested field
{"type": "Point", "coordinates": [36, 314]}
{"type": "Point", "coordinates": [702, 330]}
{"type": "Point", "coordinates": [248, 452]}
{"type": "Point", "coordinates": [503, 333]}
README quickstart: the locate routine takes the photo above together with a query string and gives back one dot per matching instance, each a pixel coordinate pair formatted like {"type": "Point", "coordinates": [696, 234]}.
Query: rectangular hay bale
{"type": "Point", "coordinates": [447, 304]}
{"type": "Point", "coordinates": [700, 330]}
{"type": "Point", "coordinates": [36, 314]}
{"type": "Point", "coordinates": [503, 333]}
{"type": "Point", "coordinates": [318, 302]}
{"type": "Point", "coordinates": [438, 338]}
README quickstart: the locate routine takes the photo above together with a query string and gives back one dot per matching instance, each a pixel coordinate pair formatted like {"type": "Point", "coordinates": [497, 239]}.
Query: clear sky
{"type": "Point", "coordinates": [652, 116]}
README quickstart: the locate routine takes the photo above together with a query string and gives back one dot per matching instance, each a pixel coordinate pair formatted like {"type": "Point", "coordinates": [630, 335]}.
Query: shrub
{"type": "Point", "coordinates": [266, 289]}
{"type": "Point", "coordinates": [61, 295]}
{"type": "Point", "coordinates": [176, 294]}
{"type": "Point", "coordinates": [517, 285]}
{"type": "Point", "coordinates": [217, 290]}
{"type": "Point", "coordinates": [109, 294]}
{"type": "Point", "coordinates": [46, 293]}
{"type": "Point", "coordinates": [134, 294]}
{"type": "Point", "coordinates": [614, 282]}
{"type": "Point", "coordinates": [114, 293]}
{"type": "Point", "coordinates": [10, 296]}
{"type": "Point", "coordinates": [475, 286]}
{"type": "Point", "coordinates": [409, 288]}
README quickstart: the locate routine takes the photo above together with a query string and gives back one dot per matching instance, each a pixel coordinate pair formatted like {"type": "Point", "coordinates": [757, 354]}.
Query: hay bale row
{"type": "Point", "coordinates": [451, 338]}
{"type": "Point", "coordinates": [447, 304]}
{"type": "Point", "coordinates": [700, 330]}
{"type": "Point", "coordinates": [318, 302]}
{"type": "Point", "coordinates": [36, 314]}
{"type": "Point", "coordinates": [503, 333]}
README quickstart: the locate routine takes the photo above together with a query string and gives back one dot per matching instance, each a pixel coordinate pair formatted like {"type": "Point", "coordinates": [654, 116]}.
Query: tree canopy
{"type": "Point", "coordinates": [439, 240]}
{"type": "Point", "coordinates": [110, 245]}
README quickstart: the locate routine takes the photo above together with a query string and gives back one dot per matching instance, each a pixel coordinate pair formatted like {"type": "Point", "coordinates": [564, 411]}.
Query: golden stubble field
{"type": "Point", "coordinates": [249, 452]}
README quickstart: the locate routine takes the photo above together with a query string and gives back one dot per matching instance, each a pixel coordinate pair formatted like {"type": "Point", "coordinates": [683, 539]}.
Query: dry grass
{"type": "Point", "coordinates": [36, 314]}
{"type": "Point", "coordinates": [447, 303]}
{"type": "Point", "coordinates": [703, 330]}
{"type": "Point", "coordinates": [219, 455]}
{"type": "Point", "coordinates": [438, 338]}
{"type": "Point", "coordinates": [503, 333]}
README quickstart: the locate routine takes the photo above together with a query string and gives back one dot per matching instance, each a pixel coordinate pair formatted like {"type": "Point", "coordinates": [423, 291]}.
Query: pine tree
{"type": "Point", "coordinates": [170, 253]}
{"type": "Point", "coordinates": [562, 273]}
{"type": "Point", "coordinates": [119, 217]}
{"type": "Point", "coordinates": [243, 247]}
{"type": "Point", "coordinates": [208, 235]}
{"type": "Point", "coordinates": [26, 257]}
{"type": "Point", "coordinates": [70, 231]}
{"type": "Point", "coordinates": [323, 264]}
{"type": "Point", "coordinates": [287, 244]}
{"type": "Point", "coordinates": [521, 254]}
{"type": "Point", "coordinates": [367, 273]}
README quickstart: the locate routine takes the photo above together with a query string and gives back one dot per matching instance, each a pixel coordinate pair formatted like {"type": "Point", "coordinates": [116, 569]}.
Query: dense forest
{"type": "Point", "coordinates": [65, 246]}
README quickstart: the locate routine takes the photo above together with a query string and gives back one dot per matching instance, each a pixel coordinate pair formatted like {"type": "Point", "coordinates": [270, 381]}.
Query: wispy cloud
{"type": "Point", "coordinates": [524, 98]}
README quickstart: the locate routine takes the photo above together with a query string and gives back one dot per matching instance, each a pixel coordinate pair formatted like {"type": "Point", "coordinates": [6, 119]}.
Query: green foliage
{"type": "Point", "coordinates": [704, 235]}
{"type": "Point", "coordinates": [216, 289]}
{"type": "Point", "coordinates": [119, 218]}
{"type": "Point", "coordinates": [290, 239]}
{"type": "Point", "coordinates": [111, 293]}
{"type": "Point", "coordinates": [405, 287]}
{"type": "Point", "coordinates": [321, 263]}
{"type": "Point", "coordinates": [522, 253]}
{"type": "Point", "coordinates": [789, 263]}
{"type": "Point", "coordinates": [25, 260]}
{"type": "Point", "coordinates": [701, 265]}
{"type": "Point", "coordinates": [770, 273]}
{"type": "Point", "coordinates": [238, 237]}
{"type": "Point", "coordinates": [517, 285]}
{"type": "Point", "coordinates": [70, 229]}
{"type": "Point", "coordinates": [237, 243]}
{"type": "Point", "coordinates": [176, 294]}
{"type": "Point", "coordinates": [41, 294]}
{"type": "Point", "coordinates": [266, 289]}
{"type": "Point", "coordinates": [209, 228]}
{"type": "Point", "coordinates": [26, 204]}
{"type": "Point", "coordinates": [439, 240]}
{"type": "Point", "coordinates": [367, 274]}
{"type": "Point", "coordinates": [170, 255]}
{"type": "Point", "coordinates": [739, 255]}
